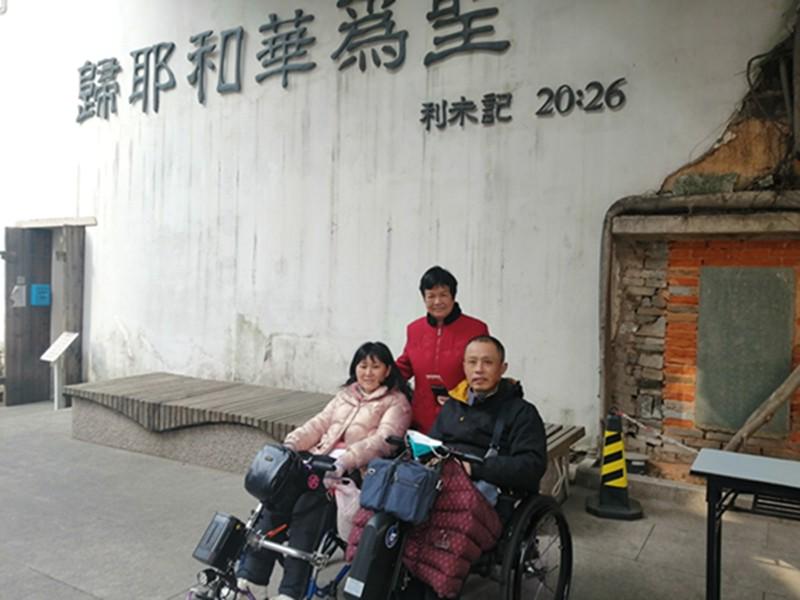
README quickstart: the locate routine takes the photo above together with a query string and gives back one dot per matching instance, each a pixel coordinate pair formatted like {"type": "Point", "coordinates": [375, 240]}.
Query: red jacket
{"type": "Point", "coordinates": [433, 349]}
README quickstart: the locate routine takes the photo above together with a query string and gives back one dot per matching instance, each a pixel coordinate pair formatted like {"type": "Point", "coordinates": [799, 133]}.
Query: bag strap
{"type": "Point", "coordinates": [499, 425]}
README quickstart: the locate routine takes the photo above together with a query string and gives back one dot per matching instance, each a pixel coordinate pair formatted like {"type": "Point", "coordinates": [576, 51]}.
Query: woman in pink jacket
{"type": "Point", "coordinates": [372, 405]}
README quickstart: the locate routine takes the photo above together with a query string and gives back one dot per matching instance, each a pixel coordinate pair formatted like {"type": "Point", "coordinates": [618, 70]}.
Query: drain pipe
{"type": "Point", "coordinates": [765, 201]}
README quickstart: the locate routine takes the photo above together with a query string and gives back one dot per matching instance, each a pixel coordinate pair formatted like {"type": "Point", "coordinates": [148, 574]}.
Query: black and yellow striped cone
{"type": "Point", "coordinates": [612, 502]}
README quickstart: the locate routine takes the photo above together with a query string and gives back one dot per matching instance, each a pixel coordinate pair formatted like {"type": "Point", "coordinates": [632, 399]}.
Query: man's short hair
{"type": "Point", "coordinates": [490, 339]}
{"type": "Point", "coordinates": [436, 276]}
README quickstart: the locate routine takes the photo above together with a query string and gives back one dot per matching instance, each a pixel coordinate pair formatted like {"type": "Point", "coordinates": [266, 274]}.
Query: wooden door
{"type": "Point", "coordinates": [28, 263]}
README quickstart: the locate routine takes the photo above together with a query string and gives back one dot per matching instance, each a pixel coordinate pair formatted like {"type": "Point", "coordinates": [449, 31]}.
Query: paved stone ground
{"type": "Point", "coordinates": [80, 521]}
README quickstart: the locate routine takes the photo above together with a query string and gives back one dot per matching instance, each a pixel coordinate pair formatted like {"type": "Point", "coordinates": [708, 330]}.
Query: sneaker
{"type": "Point", "coordinates": [200, 592]}
{"type": "Point", "coordinates": [258, 591]}
{"type": "Point", "coordinates": [281, 597]}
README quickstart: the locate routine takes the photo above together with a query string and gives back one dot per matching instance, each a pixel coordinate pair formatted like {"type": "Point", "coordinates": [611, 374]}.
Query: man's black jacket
{"type": "Point", "coordinates": [522, 458]}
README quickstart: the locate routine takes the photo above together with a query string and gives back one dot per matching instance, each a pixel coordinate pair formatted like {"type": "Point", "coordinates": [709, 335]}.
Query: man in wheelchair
{"type": "Point", "coordinates": [491, 419]}
{"type": "Point", "coordinates": [493, 407]}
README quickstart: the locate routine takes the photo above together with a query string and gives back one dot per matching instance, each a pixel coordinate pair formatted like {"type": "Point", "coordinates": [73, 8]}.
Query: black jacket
{"type": "Point", "coordinates": [522, 458]}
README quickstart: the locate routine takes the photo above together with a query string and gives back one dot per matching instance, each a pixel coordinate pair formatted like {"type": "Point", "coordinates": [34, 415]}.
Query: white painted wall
{"type": "Point", "coordinates": [264, 236]}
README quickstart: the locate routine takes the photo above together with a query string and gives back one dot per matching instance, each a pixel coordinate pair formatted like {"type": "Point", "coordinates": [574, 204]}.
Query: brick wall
{"type": "Point", "coordinates": [680, 344]}
{"type": "Point", "coordinates": [638, 335]}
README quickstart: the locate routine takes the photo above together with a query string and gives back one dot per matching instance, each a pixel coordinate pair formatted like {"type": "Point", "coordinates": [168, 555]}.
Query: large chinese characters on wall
{"type": "Point", "coordinates": [369, 38]}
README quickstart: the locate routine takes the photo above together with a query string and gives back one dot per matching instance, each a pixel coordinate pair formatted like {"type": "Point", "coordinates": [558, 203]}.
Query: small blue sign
{"type": "Point", "coordinates": [40, 294]}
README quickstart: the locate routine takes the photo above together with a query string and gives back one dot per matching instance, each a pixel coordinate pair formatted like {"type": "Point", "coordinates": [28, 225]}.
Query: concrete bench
{"type": "Point", "coordinates": [222, 424]}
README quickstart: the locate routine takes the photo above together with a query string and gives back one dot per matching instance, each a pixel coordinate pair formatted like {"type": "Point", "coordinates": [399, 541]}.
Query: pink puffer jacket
{"type": "Point", "coordinates": [361, 421]}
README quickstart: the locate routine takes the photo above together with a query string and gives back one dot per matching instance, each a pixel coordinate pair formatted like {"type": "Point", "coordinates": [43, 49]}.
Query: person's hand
{"type": "Point", "coordinates": [290, 446]}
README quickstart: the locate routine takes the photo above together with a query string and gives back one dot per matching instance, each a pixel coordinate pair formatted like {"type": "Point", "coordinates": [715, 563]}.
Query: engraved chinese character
{"type": "Point", "coordinates": [463, 110]}
{"type": "Point", "coordinates": [160, 54]}
{"type": "Point", "coordinates": [285, 47]}
{"type": "Point", "coordinates": [447, 13]}
{"type": "Point", "coordinates": [493, 106]}
{"type": "Point", "coordinates": [201, 59]}
{"type": "Point", "coordinates": [98, 89]}
{"type": "Point", "coordinates": [435, 113]}
{"type": "Point", "coordinates": [368, 34]}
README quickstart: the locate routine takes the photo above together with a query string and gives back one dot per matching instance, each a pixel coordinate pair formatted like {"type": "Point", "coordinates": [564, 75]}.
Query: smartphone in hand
{"type": "Point", "coordinates": [438, 388]}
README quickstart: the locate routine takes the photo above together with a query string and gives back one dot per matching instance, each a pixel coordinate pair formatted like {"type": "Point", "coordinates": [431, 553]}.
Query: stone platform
{"type": "Point", "coordinates": [198, 421]}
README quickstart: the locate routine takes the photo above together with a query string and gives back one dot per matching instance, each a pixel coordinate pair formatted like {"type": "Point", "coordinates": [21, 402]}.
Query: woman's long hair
{"type": "Point", "coordinates": [380, 352]}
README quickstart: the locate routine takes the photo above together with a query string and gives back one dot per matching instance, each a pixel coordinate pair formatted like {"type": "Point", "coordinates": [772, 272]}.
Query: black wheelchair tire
{"type": "Point", "coordinates": [536, 511]}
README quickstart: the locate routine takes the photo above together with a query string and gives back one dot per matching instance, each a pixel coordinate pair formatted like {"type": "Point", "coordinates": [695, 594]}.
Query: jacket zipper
{"type": "Point", "coordinates": [438, 343]}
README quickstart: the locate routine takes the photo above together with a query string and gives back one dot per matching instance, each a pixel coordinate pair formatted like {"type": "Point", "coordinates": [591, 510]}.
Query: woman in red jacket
{"type": "Point", "coordinates": [435, 344]}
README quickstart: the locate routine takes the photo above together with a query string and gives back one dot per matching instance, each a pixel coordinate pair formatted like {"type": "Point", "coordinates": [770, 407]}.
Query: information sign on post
{"type": "Point", "coordinates": [40, 294]}
{"type": "Point", "coordinates": [53, 355]}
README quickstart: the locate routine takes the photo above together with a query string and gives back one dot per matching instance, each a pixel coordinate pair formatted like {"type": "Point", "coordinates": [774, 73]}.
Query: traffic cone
{"type": "Point", "coordinates": [612, 502]}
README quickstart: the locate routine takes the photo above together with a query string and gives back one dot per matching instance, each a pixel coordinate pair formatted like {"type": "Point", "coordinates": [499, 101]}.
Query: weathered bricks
{"type": "Point", "coordinates": [683, 432]}
{"type": "Point", "coordinates": [653, 361]}
{"type": "Point", "coordinates": [655, 346]}
{"type": "Point", "coordinates": [636, 290]}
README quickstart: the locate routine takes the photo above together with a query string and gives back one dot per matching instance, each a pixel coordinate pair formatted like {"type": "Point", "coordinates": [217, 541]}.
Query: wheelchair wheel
{"type": "Point", "coordinates": [537, 563]}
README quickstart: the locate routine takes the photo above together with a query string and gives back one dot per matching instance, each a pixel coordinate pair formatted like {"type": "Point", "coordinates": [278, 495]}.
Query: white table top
{"type": "Point", "coordinates": [760, 469]}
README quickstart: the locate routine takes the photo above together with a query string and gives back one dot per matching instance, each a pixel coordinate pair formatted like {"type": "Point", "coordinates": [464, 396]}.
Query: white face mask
{"type": "Point", "coordinates": [420, 443]}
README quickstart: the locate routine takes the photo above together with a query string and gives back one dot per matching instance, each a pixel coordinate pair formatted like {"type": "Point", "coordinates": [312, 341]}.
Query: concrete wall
{"type": "Point", "coordinates": [263, 236]}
